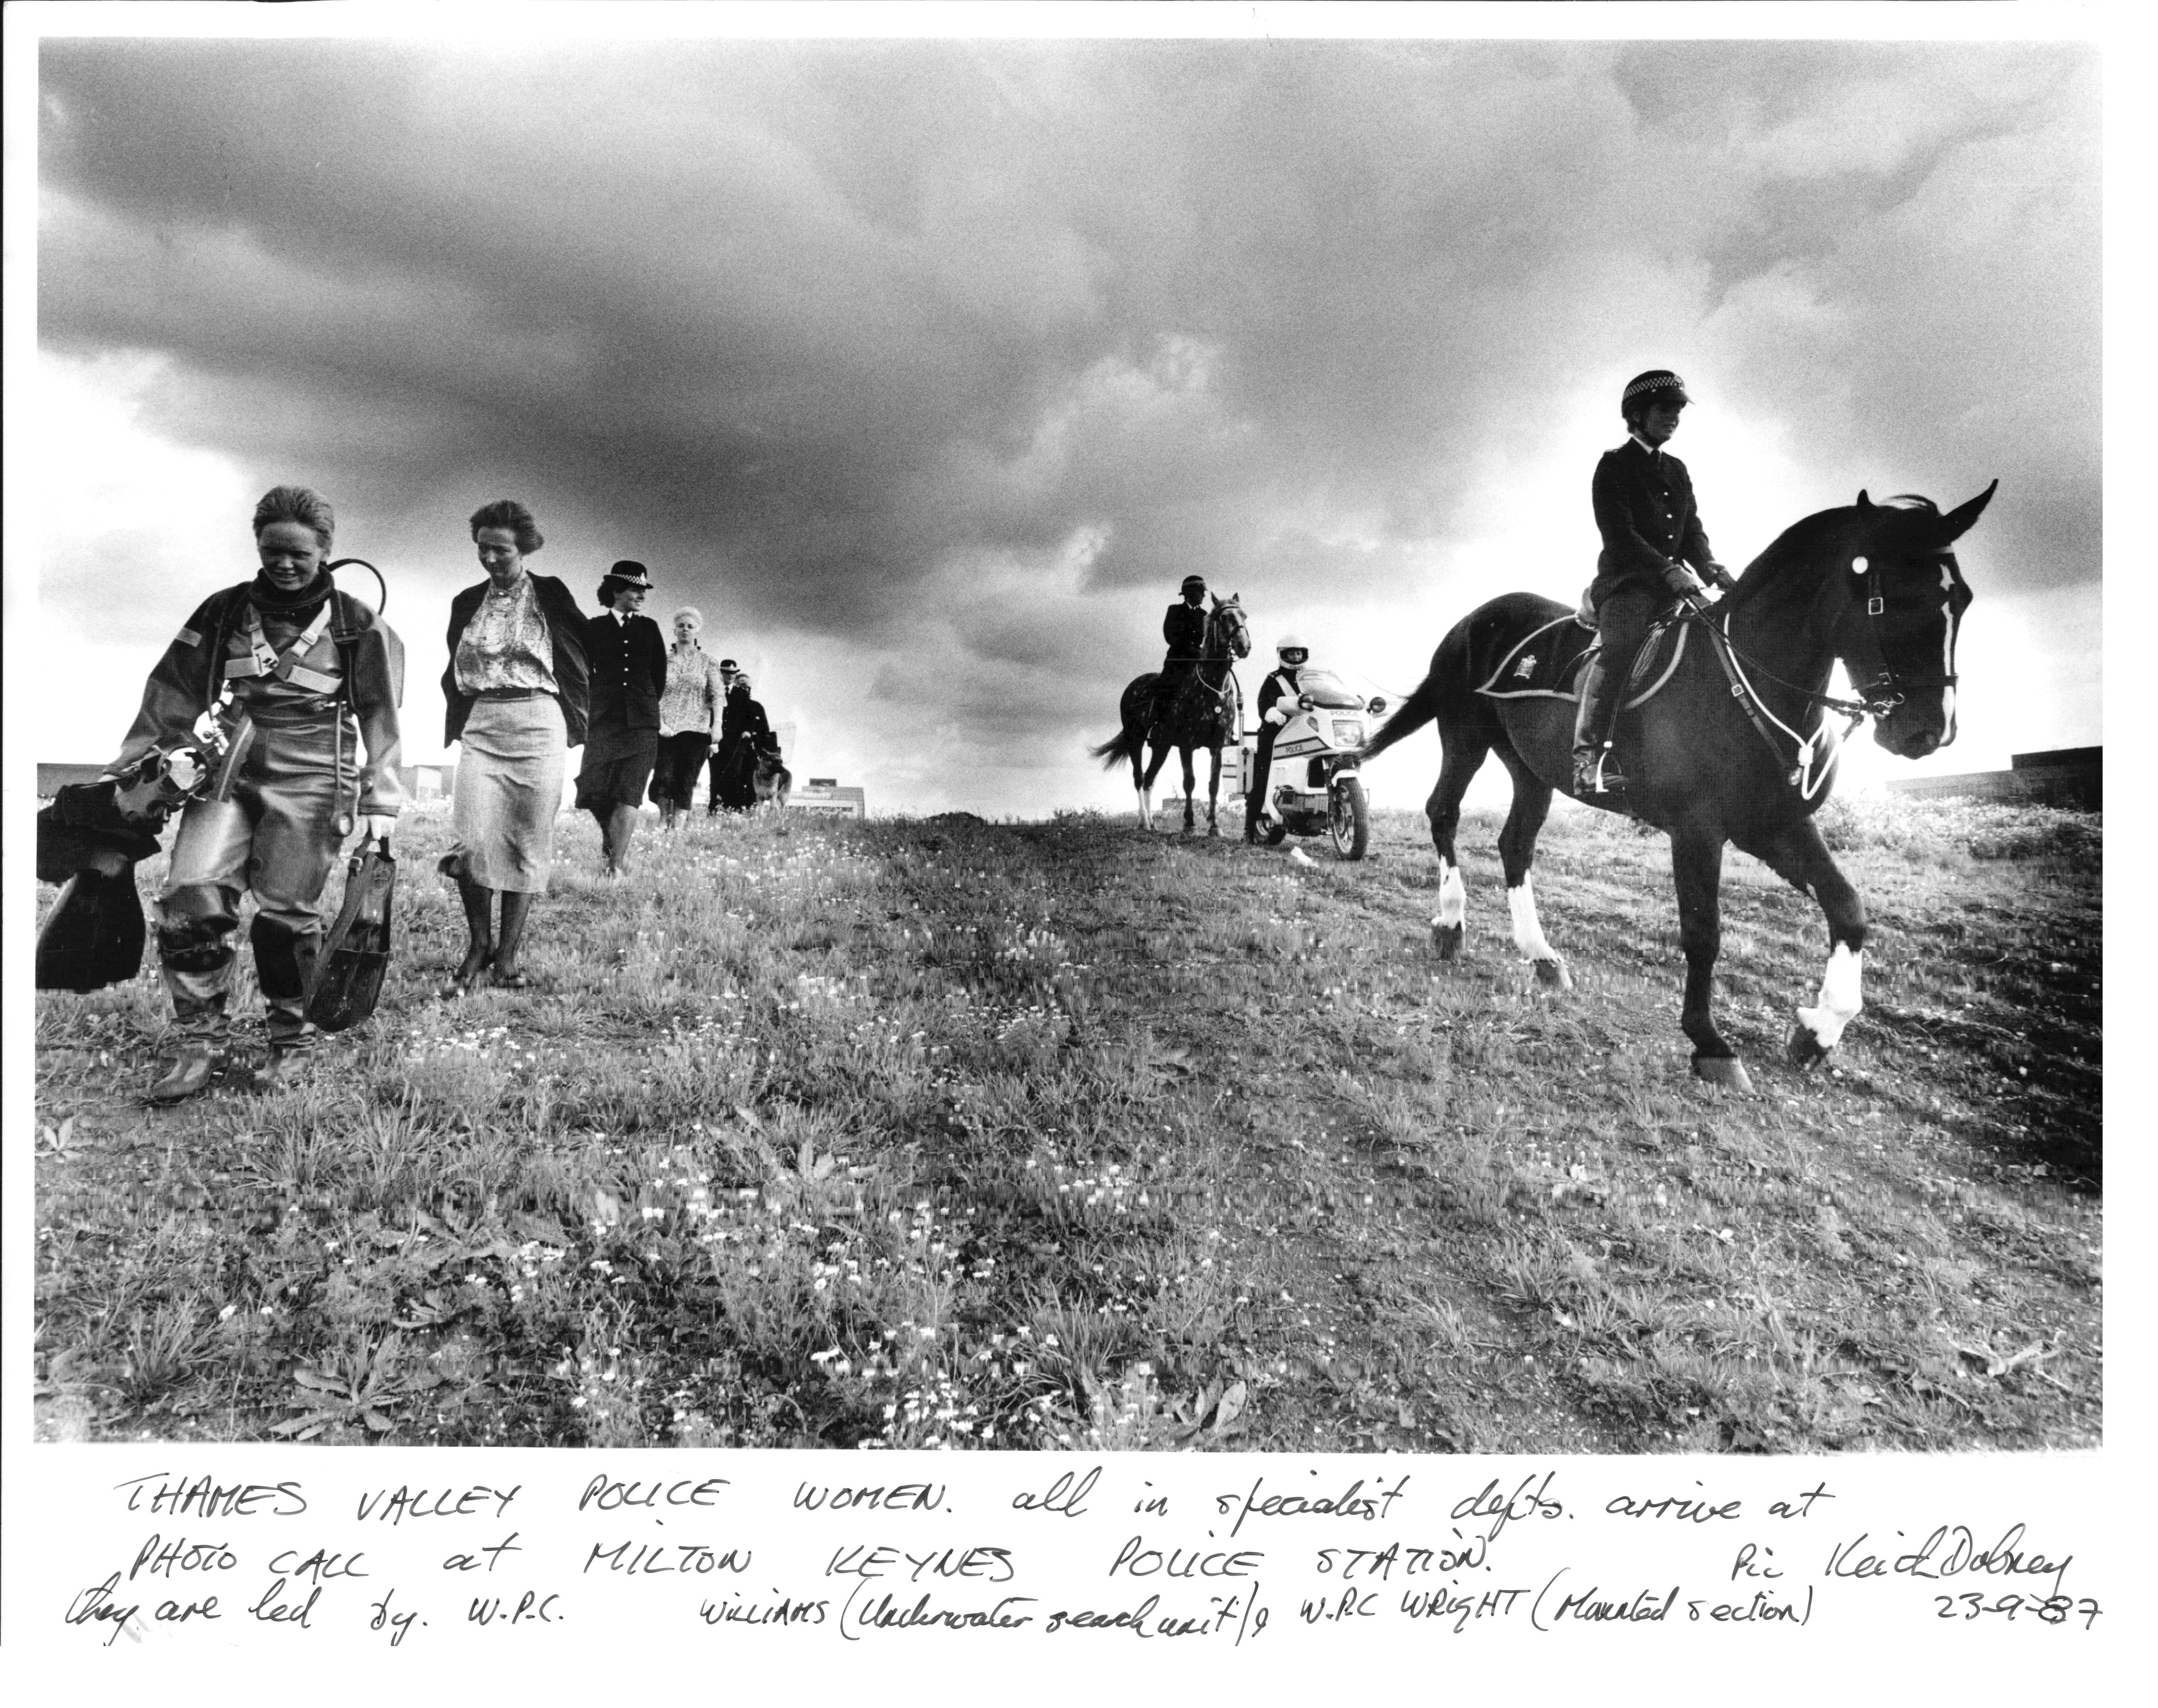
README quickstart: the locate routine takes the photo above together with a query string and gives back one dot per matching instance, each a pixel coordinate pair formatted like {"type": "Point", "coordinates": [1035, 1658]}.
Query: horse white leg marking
{"type": "Point", "coordinates": [1839, 1002]}
{"type": "Point", "coordinates": [1528, 929]}
{"type": "Point", "coordinates": [1146, 810]}
{"type": "Point", "coordinates": [1453, 899]}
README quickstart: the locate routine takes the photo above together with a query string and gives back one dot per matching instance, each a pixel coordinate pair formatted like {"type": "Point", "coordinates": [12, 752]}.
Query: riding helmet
{"type": "Point", "coordinates": [1194, 584]}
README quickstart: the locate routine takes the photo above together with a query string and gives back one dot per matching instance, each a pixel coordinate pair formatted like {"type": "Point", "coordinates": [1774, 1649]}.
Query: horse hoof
{"type": "Point", "coordinates": [1446, 940]}
{"type": "Point", "coordinates": [1726, 1070]}
{"type": "Point", "coordinates": [1553, 973]}
{"type": "Point", "coordinates": [1804, 1050]}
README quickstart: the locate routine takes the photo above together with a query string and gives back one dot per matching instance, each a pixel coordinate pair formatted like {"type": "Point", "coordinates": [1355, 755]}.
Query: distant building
{"type": "Point", "coordinates": [826, 797]}
{"type": "Point", "coordinates": [2073, 777]}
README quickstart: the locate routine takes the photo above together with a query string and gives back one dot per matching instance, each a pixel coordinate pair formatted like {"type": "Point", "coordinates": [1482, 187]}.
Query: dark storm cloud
{"type": "Point", "coordinates": [858, 335]}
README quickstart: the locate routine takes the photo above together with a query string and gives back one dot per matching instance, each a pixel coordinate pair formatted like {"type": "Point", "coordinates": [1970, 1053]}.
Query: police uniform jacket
{"type": "Point", "coordinates": [565, 628]}
{"type": "Point", "coordinates": [1280, 684]}
{"type": "Point", "coordinates": [1645, 511]}
{"type": "Point", "coordinates": [1183, 632]}
{"type": "Point", "coordinates": [629, 670]}
{"type": "Point", "coordinates": [350, 655]}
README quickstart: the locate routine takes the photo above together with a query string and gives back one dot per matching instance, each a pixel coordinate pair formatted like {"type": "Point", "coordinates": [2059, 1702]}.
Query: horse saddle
{"type": "Point", "coordinates": [1548, 663]}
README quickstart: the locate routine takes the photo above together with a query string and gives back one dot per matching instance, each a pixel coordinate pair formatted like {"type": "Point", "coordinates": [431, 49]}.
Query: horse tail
{"type": "Point", "coordinates": [1419, 709]}
{"type": "Point", "coordinates": [1121, 751]}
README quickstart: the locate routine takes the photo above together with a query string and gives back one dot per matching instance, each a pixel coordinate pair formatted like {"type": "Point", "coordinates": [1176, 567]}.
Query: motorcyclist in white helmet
{"type": "Point", "coordinates": [1279, 696]}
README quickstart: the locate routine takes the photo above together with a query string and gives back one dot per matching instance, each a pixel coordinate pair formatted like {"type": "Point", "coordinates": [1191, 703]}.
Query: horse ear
{"type": "Point", "coordinates": [1864, 504]}
{"type": "Point", "coordinates": [1958, 521]}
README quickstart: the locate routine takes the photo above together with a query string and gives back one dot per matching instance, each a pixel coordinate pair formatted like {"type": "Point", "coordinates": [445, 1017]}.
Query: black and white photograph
{"type": "Point", "coordinates": [1381, 744]}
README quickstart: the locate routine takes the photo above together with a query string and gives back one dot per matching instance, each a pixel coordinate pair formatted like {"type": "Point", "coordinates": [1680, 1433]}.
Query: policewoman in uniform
{"type": "Point", "coordinates": [1652, 531]}
{"type": "Point", "coordinates": [1183, 632]}
{"type": "Point", "coordinates": [1279, 697]}
{"type": "Point", "coordinates": [628, 658]}
{"type": "Point", "coordinates": [321, 676]}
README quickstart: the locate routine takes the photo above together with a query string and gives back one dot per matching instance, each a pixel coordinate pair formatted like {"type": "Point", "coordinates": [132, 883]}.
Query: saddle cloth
{"type": "Point", "coordinates": [1547, 664]}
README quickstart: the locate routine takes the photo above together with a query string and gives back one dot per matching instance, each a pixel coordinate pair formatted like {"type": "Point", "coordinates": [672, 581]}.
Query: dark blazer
{"type": "Point", "coordinates": [565, 626]}
{"type": "Point", "coordinates": [1183, 632]}
{"type": "Point", "coordinates": [1645, 511]}
{"type": "Point", "coordinates": [629, 670]}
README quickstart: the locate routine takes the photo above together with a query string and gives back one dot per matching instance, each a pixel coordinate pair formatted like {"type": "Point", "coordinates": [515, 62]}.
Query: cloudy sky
{"type": "Point", "coordinates": [927, 368]}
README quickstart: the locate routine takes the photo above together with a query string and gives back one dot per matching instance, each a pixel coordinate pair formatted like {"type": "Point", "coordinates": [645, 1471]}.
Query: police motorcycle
{"type": "Point", "coordinates": [1312, 784]}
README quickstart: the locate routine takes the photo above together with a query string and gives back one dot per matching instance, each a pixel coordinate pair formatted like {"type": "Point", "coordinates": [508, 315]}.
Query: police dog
{"type": "Point", "coordinates": [773, 780]}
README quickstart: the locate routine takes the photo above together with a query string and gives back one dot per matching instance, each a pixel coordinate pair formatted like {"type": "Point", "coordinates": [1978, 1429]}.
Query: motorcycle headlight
{"type": "Point", "coordinates": [1348, 732]}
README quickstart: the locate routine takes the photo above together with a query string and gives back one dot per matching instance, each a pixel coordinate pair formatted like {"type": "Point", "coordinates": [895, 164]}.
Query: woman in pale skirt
{"type": "Point", "coordinates": [517, 692]}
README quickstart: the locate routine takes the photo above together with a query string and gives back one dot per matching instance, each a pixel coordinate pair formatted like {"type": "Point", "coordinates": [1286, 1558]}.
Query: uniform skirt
{"type": "Point", "coordinates": [509, 790]}
{"type": "Point", "coordinates": [618, 767]}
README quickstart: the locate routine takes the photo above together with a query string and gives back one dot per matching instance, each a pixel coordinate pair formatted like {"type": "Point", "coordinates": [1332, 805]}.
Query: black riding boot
{"type": "Point", "coordinates": [477, 903]}
{"type": "Point", "coordinates": [516, 906]}
{"type": "Point", "coordinates": [1595, 772]}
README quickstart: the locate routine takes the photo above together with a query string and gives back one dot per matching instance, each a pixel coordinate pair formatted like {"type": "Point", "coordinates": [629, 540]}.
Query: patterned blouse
{"type": "Point", "coordinates": [695, 692]}
{"type": "Point", "coordinates": [507, 644]}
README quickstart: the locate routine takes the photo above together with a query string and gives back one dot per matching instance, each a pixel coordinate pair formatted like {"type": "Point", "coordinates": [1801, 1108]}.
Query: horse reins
{"type": "Point", "coordinates": [1886, 690]}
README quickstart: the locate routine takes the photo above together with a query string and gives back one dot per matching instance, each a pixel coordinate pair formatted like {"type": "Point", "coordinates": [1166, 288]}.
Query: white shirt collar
{"type": "Point", "coordinates": [1653, 450]}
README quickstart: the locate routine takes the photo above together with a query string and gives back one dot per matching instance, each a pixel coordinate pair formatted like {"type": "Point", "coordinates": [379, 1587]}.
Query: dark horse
{"type": "Point", "coordinates": [1732, 745]}
{"type": "Point", "coordinates": [1203, 715]}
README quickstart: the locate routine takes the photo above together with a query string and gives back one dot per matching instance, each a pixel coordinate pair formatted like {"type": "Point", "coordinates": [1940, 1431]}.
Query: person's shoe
{"type": "Point", "coordinates": [1596, 773]}
{"type": "Point", "coordinates": [287, 1057]}
{"type": "Point", "coordinates": [193, 1064]}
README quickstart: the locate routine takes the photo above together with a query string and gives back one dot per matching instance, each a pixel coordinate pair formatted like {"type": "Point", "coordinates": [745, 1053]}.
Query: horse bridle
{"type": "Point", "coordinates": [1886, 689]}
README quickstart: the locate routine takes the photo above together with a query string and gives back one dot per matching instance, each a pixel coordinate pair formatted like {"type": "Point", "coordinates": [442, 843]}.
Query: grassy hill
{"type": "Point", "coordinates": [940, 1132]}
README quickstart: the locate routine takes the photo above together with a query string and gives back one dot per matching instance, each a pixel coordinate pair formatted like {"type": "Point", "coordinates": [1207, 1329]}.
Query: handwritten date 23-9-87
{"type": "Point", "coordinates": [2048, 1610]}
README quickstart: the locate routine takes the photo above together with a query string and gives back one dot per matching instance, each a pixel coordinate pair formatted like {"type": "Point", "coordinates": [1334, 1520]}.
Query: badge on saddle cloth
{"type": "Point", "coordinates": [355, 955]}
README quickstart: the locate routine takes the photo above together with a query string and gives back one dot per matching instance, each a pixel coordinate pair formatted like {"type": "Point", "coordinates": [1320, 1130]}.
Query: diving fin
{"type": "Point", "coordinates": [355, 955]}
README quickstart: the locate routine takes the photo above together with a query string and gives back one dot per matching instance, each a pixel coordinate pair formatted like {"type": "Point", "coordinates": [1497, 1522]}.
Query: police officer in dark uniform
{"type": "Point", "coordinates": [1280, 696]}
{"type": "Point", "coordinates": [1652, 531]}
{"type": "Point", "coordinates": [1183, 632]}
{"type": "Point", "coordinates": [628, 660]}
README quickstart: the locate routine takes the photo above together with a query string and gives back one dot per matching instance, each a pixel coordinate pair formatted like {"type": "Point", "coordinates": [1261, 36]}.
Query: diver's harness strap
{"type": "Point", "coordinates": [263, 659]}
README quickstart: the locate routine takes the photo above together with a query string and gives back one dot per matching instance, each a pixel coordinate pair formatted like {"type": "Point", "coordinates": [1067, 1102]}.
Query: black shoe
{"type": "Point", "coordinates": [1597, 773]}
{"type": "Point", "coordinates": [287, 1057]}
{"type": "Point", "coordinates": [194, 1063]}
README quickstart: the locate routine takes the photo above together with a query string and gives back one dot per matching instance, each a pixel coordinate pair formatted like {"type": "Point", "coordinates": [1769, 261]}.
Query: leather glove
{"type": "Point", "coordinates": [1723, 578]}
{"type": "Point", "coordinates": [1681, 580]}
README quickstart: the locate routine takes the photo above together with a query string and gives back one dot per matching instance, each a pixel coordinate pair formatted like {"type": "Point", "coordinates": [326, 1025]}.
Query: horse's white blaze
{"type": "Point", "coordinates": [1839, 1002]}
{"type": "Point", "coordinates": [1453, 899]}
{"type": "Point", "coordinates": [1528, 929]}
{"type": "Point", "coordinates": [1947, 656]}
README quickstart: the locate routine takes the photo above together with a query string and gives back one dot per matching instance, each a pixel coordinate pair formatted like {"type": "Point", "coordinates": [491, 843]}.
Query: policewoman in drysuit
{"type": "Point", "coordinates": [1652, 531]}
{"type": "Point", "coordinates": [321, 676]}
{"type": "Point", "coordinates": [1279, 698]}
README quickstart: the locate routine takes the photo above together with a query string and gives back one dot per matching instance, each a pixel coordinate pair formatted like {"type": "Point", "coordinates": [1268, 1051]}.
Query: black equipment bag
{"type": "Point", "coordinates": [94, 934]}
{"type": "Point", "coordinates": [88, 845]}
{"type": "Point", "coordinates": [355, 955]}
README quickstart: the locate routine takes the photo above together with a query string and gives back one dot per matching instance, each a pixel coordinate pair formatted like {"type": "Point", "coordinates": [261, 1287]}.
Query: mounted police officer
{"type": "Point", "coordinates": [1183, 632]}
{"type": "Point", "coordinates": [1280, 695]}
{"type": "Point", "coordinates": [1652, 532]}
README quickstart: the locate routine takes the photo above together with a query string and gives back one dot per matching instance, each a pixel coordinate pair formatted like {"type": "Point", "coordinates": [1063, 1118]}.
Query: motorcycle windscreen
{"type": "Point", "coordinates": [1323, 688]}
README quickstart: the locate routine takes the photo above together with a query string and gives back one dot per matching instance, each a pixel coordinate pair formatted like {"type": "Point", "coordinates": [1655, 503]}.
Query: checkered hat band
{"type": "Point", "coordinates": [1659, 382]}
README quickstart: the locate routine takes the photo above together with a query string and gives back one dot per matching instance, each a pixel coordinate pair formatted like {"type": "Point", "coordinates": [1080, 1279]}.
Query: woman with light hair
{"type": "Point", "coordinates": [690, 706]}
{"type": "Point", "coordinates": [316, 676]}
